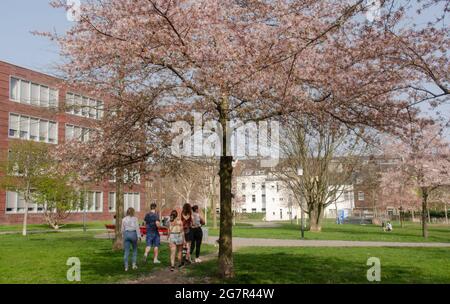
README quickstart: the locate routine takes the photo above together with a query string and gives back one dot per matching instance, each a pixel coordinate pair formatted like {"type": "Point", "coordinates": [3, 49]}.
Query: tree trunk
{"type": "Point", "coordinates": [226, 216]}
{"type": "Point", "coordinates": [445, 212]}
{"type": "Point", "coordinates": [25, 215]}
{"type": "Point", "coordinates": [424, 213]}
{"type": "Point", "coordinates": [428, 215]}
{"type": "Point", "coordinates": [315, 218]}
{"type": "Point", "coordinates": [214, 207]}
{"type": "Point", "coordinates": [120, 212]}
{"type": "Point", "coordinates": [25, 219]}
{"type": "Point", "coordinates": [226, 219]}
{"type": "Point", "coordinates": [412, 215]}
{"type": "Point", "coordinates": [400, 218]}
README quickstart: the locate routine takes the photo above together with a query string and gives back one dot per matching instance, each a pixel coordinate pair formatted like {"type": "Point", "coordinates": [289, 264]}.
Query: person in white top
{"type": "Point", "coordinates": [130, 230]}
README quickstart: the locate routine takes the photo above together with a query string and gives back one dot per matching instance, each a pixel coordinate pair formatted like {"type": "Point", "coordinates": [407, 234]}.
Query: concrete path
{"type": "Point", "coordinates": [263, 224]}
{"type": "Point", "coordinates": [255, 242]}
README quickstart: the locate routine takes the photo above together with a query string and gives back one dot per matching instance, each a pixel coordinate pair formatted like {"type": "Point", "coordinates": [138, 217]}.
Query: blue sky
{"type": "Point", "coordinates": [17, 19]}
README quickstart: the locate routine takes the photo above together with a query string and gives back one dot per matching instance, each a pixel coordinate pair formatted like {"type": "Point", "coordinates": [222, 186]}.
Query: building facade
{"type": "Point", "coordinates": [260, 191]}
{"type": "Point", "coordinates": [38, 107]}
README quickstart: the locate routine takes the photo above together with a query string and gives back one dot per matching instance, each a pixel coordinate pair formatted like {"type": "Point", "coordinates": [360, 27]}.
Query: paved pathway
{"type": "Point", "coordinates": [263, 224]}
{"type": "Point", "coordinates": [179, 276]}
{"type": "Point", "coordinates": [256, 242]}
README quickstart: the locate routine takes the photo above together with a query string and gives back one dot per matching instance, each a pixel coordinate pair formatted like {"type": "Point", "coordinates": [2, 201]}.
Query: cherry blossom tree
{"type": "Point", "coordinates": [424, 166]}
{"type": "Point", "coordinates": [255, 60]}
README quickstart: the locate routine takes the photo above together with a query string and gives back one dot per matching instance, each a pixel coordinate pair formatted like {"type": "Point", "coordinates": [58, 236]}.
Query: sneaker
{"type": "Point", "coordinates": [134, 267]}
{"type": "Point", "coordinates": [197, 260]}
{"type": "Point", "coordinates": [126, 268]}
{"type": "Point", "coordinates": [172, 268]}
{"type": "Point", "coordinates": [156, 262]}
{"type": "Point", "coordinates": [180, 265]}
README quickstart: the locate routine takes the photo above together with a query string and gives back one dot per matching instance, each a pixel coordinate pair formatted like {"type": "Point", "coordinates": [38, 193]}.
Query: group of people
{"type": "Point", "coordinates": [185, 235]}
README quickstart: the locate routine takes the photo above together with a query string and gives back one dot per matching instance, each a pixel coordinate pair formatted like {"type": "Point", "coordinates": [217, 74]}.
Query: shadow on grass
{"type": "Point", "coordinates": [275, 267]}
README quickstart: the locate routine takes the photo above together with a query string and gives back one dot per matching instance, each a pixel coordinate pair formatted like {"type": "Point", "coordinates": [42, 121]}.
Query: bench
{"type": "Point", "coordinates": [112, 228]}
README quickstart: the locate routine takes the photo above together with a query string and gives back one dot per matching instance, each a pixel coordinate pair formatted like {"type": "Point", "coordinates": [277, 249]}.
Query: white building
{"type": "Point", "coordinates": [259, 191]}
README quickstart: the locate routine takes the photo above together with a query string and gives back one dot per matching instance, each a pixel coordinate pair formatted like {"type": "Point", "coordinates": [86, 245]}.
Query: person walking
{"type": "Point", "coordinates": [152, 222]}
{"type": "Point", "coordinates": [197, 233]}
{"type": "Point", "coordinates": [186, 219]}
{"type": "Point", "coordinates": [176, 239]}
{"type": "Point", "coordinates": [130, 230]}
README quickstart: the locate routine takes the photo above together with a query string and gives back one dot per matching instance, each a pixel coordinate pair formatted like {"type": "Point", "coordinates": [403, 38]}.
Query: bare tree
{"type": "Point", "coordinates": [318, 159]}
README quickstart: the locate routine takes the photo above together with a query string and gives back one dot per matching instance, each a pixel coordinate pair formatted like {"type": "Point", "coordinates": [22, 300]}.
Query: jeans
{"type": "Point", "coordinates": [197, 236]}
{"type": "Point", "coordinates": [130, 238]}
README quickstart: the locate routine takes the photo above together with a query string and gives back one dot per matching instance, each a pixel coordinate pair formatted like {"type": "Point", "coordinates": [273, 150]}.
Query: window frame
{"type": "Point", "coordinates": [36, 103]}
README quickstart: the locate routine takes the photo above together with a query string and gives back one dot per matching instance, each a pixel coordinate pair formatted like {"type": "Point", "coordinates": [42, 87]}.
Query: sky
{"type": "Point", "coordinates": [18, 45]}
{"type": "Point", "coordinates": [18, 18]}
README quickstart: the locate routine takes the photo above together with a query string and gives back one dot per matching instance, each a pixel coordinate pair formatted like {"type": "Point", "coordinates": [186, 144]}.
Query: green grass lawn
{"type": "Point", "coordinates": [41, 258]}
{"type": "Point", "coordinates": [333, 265]}
{"type": "Point", "coordinates": [411, 232]}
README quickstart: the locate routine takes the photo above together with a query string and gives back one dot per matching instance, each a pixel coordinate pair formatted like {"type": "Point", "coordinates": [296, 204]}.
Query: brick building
{"type": "Point", "coordinates": [37, 107]}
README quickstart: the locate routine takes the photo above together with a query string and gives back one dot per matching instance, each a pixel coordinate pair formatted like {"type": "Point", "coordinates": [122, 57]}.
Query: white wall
{"type": "Point", "coordinates": [279, 201]}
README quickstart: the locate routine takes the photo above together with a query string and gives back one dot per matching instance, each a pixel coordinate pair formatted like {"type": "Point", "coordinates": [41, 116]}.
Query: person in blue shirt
{"type": "Point", "coordinates": [152, 223]}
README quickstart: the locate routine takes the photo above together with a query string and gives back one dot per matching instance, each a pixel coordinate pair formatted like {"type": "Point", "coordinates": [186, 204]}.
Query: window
{"type": "Point", "coordinates": [44, 96]}
{"type": "Point", "coordinates": [35, 94]}
{"type": "Point", "coordinates": [14, 89]}
{"type": "Point", "coordinates": [112, 201]}
{"type": "Point", "coordinates": [132, 200]}
{"type": "Point", "coordinates": [11, 201]}
{"type": "Point", "coordinates": [360, 196]}
{"type": "Point", "coordinates": [15, 203]}
{"type": "Point", "coordinates": [253, 210]}
{"type": "Point", "coordinates": [24, 127]}
{"type": "Point", "coordinates": [77, 133]}
{"type": "Point", "coordinates": [77, 106]}
{"type": "Point", "coordinates": [243, 186]}
{"type": "Point", "coordinates": [94, 201]}
{"type": "Point", "coordinates": [253, 198]}
{"type": "Point", "coordinates": [52, 132]}
{"type": "Point", "coordinates": [34, 129]}
{"type": "Point", "coordinates": [92, 108]}
{"type": "Point", "coordinates": [244, 210]}
{"type": "Point", "coordinates": [14, 125]}
{"type": "Point", "coordinates": [99, 110]}
{"type": "Point", "coordinates": [85, 109]}
{"type": "Point", "coordinates": [53, 98]}
{"type": "Point", "coordinates": [43, 130]}
{"type": "Point", "coordinates": [32, 93]}
{"type": "Point", "coordinates": [70, 132]}
{"type": "Point", "coordinates": [263, 186]}
{"type": "Point", "coordinates": [24, 91]}
{"type": "Point", "coordinates": [263, 209]}
{"type": "Point", "coordinates": [84, 106]}
{"type": "Point", "coordinates": [253, 186]}
{"type": "Point", "coordinates": [244, 199]}
{"type": "Point", "coordinates": [263, 198]}
{"type": "Point", "coordinates": [69, 102]}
